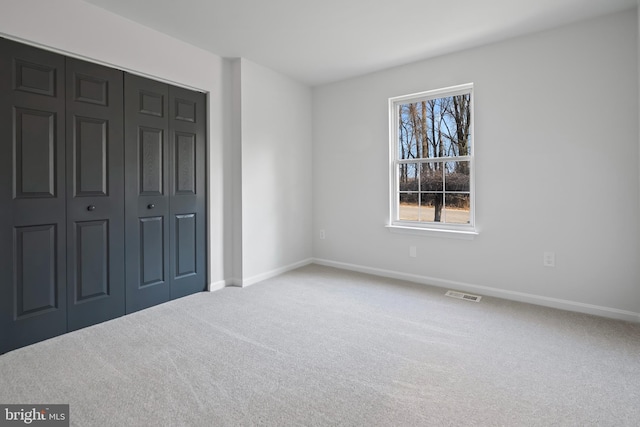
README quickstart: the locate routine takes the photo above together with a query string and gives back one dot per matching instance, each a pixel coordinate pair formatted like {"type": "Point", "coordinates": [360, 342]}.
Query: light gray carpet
{"type": "Point", "coordinates": [319, 346]}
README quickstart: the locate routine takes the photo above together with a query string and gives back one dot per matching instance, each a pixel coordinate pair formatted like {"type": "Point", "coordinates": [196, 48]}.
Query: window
{"type": "Point", "coordinates": [432, 160]}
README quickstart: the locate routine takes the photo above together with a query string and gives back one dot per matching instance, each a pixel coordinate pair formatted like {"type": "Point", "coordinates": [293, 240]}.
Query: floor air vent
{"type": "Point", "coordinates": [462, 295]}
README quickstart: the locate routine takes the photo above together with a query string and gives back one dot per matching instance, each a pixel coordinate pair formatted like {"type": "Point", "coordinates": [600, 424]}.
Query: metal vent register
{"type": "Point", "coordinates": [462, 295]}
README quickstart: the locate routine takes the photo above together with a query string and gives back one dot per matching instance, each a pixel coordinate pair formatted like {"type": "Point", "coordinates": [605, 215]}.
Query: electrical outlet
{"type": "Point", "coordinates": [322, 235]}
{"type": "Point", "coordinates": [413, 252]}
{"type": "Point", "coordinates": [549, 259]}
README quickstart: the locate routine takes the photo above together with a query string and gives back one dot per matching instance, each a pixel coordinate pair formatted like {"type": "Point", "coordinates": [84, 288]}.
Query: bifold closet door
{"type": "Point", "coordinates": [165, 192]}
{"type": "Point", "coordinates": [95, 194]}
{"type": "Point", "coordinates": [187, 115]}
{"type": "Point", "coordinates": [32, 195]}
{"type": "Point", "coordinates": [146, 192]}
{"type": "Point", "coordinates": [102, 194]}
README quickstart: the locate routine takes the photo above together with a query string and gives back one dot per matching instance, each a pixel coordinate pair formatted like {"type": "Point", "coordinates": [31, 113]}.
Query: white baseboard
{"type": "Point", "coordinates": [579, 307]}
{"type": "Point", "coordinates": [216, 286]}
{"type": "Point", "coordinates": [234, 282]}
{"type": "Point", "coordinates": [269, 274]}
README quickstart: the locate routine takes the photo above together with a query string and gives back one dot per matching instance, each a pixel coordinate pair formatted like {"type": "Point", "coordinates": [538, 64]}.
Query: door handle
{"type": "Point", "coordinates": [91, 208]}
{"type": "Point", "coordinates": [151, 206]}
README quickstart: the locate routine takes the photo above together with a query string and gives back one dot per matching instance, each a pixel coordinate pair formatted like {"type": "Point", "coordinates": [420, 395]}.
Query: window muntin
{"type": "Point", "coordinates": [432, 159]}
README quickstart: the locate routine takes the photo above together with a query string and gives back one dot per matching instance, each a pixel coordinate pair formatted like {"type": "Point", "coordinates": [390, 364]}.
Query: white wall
{"type": "Point", "coordinates": [275, 149]}
{"type": "Point", "coordinates": [556, 134]}
{"type": "Point", "coordinates": [86, 31]}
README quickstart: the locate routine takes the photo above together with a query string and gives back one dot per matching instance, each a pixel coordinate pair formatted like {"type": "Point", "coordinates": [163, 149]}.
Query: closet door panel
{"type": "Point", "coordinates": [95, 194]}
{"type": "Point", "coordinates": [34, 147]}
{"type": "Point", "coordinates": [32, 195]}
{"type": "Point", "coordinates": [152, 253]}
{"type": "Point", "coordinates": [35, 270]}
{"type": "Point", "coordinates": [91, 275]}
{"type": "Point", "coordinates": [187, 118]}
{"type": "Point", "coordinates": [146, 192]}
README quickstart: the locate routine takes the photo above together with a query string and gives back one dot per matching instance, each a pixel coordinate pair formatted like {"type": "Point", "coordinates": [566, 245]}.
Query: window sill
{"type": "Point", "coordinates": [433, 232]}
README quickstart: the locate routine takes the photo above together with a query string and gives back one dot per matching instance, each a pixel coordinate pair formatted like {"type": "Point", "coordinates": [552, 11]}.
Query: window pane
{"type": "Point", "coordinates": [454, 120]}
{"type": "Point", "coordinates": [456, 176]}
{"type": "Point", "coordinates": [408, 177]}
{"type": "Point", "coordinates": [460, 114]}
{"type": "Point", "coordinates": [409, 134]}
{"type": "Point", "coordinates": [433, 128]}
{"type": "Point", "coordinates": [431, 176]}
{"type": "Point", "coordinates": [408, 207]}
{"type": "Point", "coordinates": [457, 208]}
{"type": "Point", "coordinates": [431, 207]}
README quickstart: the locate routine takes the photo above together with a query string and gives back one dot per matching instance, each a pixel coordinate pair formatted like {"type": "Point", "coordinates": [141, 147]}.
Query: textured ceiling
{"type": "Point", "coordinates": [321, 41]}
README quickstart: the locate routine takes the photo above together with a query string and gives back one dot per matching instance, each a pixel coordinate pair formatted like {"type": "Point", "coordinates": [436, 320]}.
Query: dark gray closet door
{"type": "Point", "coordinates": [146, 192]}
{"type": "Point", "coordinates": [187, 118]}
{"type": "Point", "coordinates": [95, 194]}
{"type": "Point", "coordinates": [32, 196]}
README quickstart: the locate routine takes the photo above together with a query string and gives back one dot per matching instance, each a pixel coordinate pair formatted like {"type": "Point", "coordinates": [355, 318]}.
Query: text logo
{"type": "Point", "coordinates": [34, 415]}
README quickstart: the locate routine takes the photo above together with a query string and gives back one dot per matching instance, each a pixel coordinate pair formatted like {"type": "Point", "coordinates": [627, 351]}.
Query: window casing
{"type": "Point", "coordinates": [432, 160]}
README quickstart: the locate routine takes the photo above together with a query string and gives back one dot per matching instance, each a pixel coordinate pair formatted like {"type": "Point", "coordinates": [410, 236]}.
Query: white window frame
{"type": "Point", "coordinates": [466, 231]}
